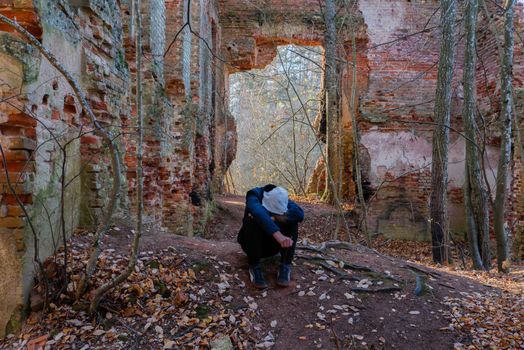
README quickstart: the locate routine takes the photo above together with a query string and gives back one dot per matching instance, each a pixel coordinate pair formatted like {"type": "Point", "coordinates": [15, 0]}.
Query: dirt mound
{"type": "Point", "coordinates": [189, 293]}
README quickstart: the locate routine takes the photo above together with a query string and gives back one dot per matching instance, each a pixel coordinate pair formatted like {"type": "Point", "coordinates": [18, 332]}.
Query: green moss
{"type": "Point", "coordinates": [200, 265]}
{"type": "Point", "coordinates": [58, 16]}
{"type": "Point", "coordinates": [189, 114]}
{"type": "Point", "coordinates": [202, 311]}
{"type": "Point", "coordinates": [120, 62]}
{"type": "Point", "coordinates": [261, 17]}
{"type": "Point", "coordinates": [15, 322]}
{"type": "Point", "coordinates": [26, 54]}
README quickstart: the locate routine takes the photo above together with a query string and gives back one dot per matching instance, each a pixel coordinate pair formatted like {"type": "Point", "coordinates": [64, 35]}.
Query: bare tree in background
{"type": "Point", "coordinates": [269, 114]}
{"type": "Point", "coordinates": [475, 192]}
{"type": "Point", "coordinates": [439, 173]}
{"type": "Point", "coordinates": [506, 112]}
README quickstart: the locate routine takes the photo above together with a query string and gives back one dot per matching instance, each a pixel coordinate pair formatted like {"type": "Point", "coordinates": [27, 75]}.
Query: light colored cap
{"type": "Point", "coordinates": [275, 201]}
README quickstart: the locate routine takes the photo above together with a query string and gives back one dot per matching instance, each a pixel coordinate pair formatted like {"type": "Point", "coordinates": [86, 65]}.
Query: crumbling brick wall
{"type": "Point", "coordinates": [43, 131]}
{"type": "Point", "coordinates": [93, 41]}
{"type": "Point", "coordinates": [397, 57]}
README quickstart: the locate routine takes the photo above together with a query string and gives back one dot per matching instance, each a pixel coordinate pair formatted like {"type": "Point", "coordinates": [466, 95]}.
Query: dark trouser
{"type": "Point", "coordinates": [257, 244]}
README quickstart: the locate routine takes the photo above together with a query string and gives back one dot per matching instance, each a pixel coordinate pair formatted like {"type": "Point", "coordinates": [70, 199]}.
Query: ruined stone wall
{"type": "Point", "coordinates": [184, 99]}
{"type": "Point", "coordinates": [395, 87]}
{"type": "Point", "coordinates": [397, 57]}
{"type": "Point", "coordinates": [193, 84]}
{"type": "Point", "coordinates": [396, 113]}
{"type": "Point", "coordinates": [43, 131]}
{"type": "Point", "coordinates": [399, 106]}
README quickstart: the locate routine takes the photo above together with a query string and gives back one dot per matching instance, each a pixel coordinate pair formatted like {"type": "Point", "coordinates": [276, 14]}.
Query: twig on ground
{"type": "Point", "coordinates": [421, 270]}
{"type": "Point", "coordinates": [376, 290]}
{"type": "Point", "coordinates": [446, 285]}
{"type": "Point", "coordinates": [335, 337]}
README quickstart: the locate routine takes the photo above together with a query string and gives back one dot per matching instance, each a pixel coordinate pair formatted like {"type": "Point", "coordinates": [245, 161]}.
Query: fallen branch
{"type": "Point", "coordinates": [424, 271]}
{"type": "Point", "coordinates": [324, 262]}
{"type": "Point", "coordinates": [335, 336]}
{"type": "Point", "coordinates": [376, 290]}
{"type": "Point", "coordinates": [327, 245]}
{"type": "Point", "coordinates": [446, 285]}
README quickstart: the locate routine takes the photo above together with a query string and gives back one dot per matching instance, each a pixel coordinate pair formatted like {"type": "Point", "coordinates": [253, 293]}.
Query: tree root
{"type": "Point", "coordinates": [323, 261]}
{"type": "Point", "coordinates": [376, 290]}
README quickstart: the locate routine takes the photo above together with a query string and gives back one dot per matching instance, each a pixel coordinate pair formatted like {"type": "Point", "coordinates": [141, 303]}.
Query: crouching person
{"type": "Point", "coordinates": [270, 226]}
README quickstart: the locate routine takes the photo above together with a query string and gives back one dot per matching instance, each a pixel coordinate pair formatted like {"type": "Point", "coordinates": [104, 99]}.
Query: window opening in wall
{"type": "Point", "coordinates": [275, 109]}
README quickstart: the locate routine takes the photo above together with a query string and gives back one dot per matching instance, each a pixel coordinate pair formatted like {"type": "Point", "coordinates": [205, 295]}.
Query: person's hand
{"type": "Point", "coordinates": [281, 219]}
{"type": "Point", "coordinates": [285, 242]}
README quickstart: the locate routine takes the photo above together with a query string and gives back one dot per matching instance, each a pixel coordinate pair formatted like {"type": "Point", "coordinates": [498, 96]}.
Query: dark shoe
{"type": "Point", "coordinates": [284, 275]}
{"type": "Point", "coordinates": [257, 277]}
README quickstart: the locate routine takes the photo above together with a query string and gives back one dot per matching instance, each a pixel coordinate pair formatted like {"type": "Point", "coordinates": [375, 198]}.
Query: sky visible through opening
{"type": "Point", "coordinates": [276, 141]}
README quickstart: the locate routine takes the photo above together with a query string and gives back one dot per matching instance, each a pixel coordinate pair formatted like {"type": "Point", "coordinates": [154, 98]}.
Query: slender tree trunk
{"type": "Point", "coordinates": [439, 174]}
{"type": "Point", "coordinates": [103, 289]}
{"type": "Point", "coordinates": [473, 236]}
{"type": "Point", "coordinates": [332, 105]}
{"type": "Point", "coordinates": [506, 112]}
{"type": "Point", "coordinates": [356, 138]}
{"type": "Point", "coordinates": [475, 193]}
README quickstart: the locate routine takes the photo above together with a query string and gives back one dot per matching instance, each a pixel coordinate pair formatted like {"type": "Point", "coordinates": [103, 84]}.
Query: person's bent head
{"type": "Point", "coordinates": [275, 199]}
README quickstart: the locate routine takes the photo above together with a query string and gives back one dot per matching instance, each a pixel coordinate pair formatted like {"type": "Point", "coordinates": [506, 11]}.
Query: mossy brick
{"type": "Point", "coordinates": [11, 199]}
{"type": "Point", "coordinates": [19, 188]}
{"type": "Point", "coordinates": [18, 119]}
{"type": "Point", "coordinates": [23, 4]}
{"type": "Point", "coordinates": [22, 143]}
{"type": "Point", "coordinates": [12, 222]}
{"type": "Point", "coordinates": [17, 155]}
{"type": "Point", "coordinates": [27, 166]}
{"type": "Point", "coordinates": [92, 168]}
{"type": "Point", "coordinates": [13, 210]}
{"type": "Point", "coordinates": [91, 140]}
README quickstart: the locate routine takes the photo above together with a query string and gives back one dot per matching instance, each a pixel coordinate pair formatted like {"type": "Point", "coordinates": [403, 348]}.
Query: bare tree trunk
{"type": "Point", "coordinates": [332, 105]}
{"type": "Point", "coordinates": [103, 289]}
{"type": "Point", "coordinates": [323, 156]}
{"type": "Point", "coordinates": [356, 139]}
{"type": "Point", "coordinates": [475, 193]}
{"type": "Point", "coordinates": [439, 169]}
{"type": "Point", "coordinates": [506, 112]}
{"type": "Point", "coordinates": [473, 236]}
{"type": "Point", "coordinates": [496, 34]}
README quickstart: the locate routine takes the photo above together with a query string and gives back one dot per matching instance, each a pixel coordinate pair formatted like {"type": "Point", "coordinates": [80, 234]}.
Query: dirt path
{"type": "Point", "coordinates": [189, 293]}
{"type": "Point", "coordinates": [319, 311]}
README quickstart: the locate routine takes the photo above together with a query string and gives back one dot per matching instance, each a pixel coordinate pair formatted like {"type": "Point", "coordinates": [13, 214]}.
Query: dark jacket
{"type": "Point", "coordinates": [262, 216]}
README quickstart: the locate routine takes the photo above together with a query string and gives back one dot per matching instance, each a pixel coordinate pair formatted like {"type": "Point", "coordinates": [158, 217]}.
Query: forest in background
{"type": "Point", "coordinates": [277, 141]}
